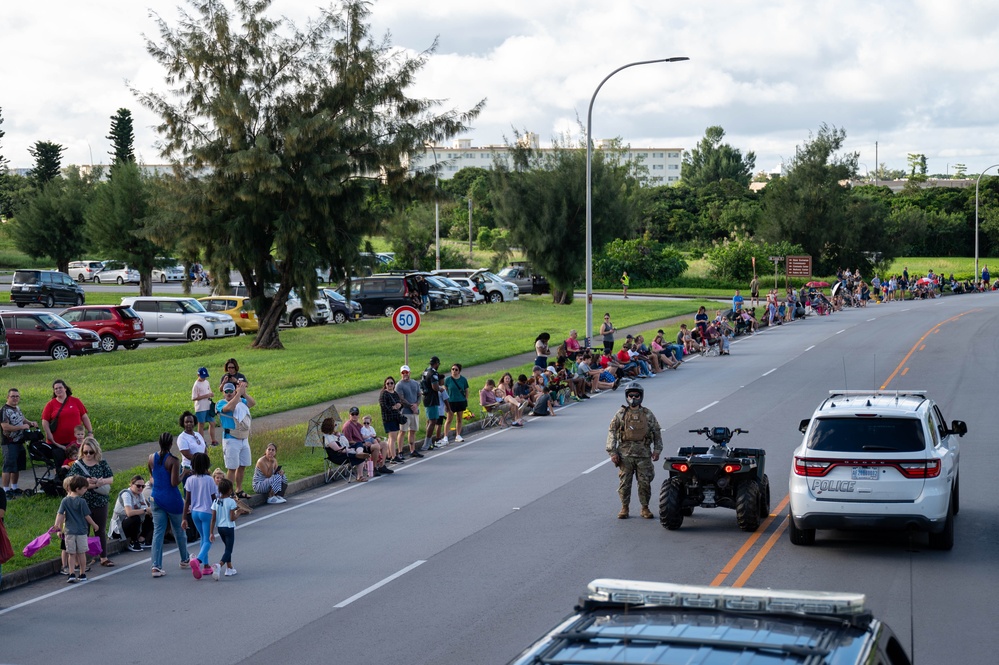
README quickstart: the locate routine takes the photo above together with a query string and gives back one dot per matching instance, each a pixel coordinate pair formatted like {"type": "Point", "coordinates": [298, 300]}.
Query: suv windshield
{"type": "Point", "coordinates": [489, 277]}
{"type": "Point", "coordinates": [867, 434]}
{"type": "Point", "coordinates": [25, 277]}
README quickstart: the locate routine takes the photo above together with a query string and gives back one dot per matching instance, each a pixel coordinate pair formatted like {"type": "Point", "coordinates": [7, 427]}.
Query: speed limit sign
{"type": "Point", "coordinates": [406, 319]}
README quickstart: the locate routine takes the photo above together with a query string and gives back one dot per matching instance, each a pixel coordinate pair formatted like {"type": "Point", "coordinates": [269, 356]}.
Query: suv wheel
{"type": "Point", "coordinates": [196, 334]}
{"type": "Point", "coordinates": [747, 505]}
{"type": "Point", "coordinates": [79, 300]}
{"type": "Point", "coordinates": [80, 278]}
{"type": "Point", "coordinates": [389, 310]}
{"type": "Point", "coordinates": [299, 320]}
{"type": "Point", "coordinates": [955, 500]}
{"type": "Point", "coordinates": [59, 351]}
{"type": "Point", "coordinates": [945, 539]}
{"type": "Point", "coordinates": [495, 297]}
{"type": "Point", "coordinates": [97, 280]}
{"type": "Point", "coordinates": [339, 318]}
{"type": "Point", "coordinates": [120, 281]}
{"type": "Point", "coordinates": [799, 536]}
{"type": "Point", "coordinates": [49, 301]}
{"type": "Point", "coordinates": [163, 278]}
{"type": "Point", "coordinates": [109, 342]}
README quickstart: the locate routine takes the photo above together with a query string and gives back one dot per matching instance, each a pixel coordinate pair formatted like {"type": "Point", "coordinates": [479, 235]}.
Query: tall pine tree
{"type": "Point", "coordinates": [48, 162]}
{"type": "Point", "coordinates": [122, 137]}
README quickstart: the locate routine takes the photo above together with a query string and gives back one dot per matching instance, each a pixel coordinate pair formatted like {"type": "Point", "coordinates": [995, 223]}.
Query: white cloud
{"type": "Point", "coordinates": [916, 76]}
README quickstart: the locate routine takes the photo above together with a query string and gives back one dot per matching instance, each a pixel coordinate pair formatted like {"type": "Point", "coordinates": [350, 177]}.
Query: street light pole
{"type": "Point", "coordinates": [437, 209]}
{"type": "Point", "coordinates": [589, 189]}
{"type": "Point", "coordinates": [977, 182]}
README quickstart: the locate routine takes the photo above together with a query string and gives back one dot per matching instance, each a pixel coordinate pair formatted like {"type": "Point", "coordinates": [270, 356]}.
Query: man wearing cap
{"type": "Point", "coordinates": [204, 406]}
{"type": "Point", "coordinates": [234, 413]}
{"type": "Point", "coordinates": [409, 394]}
{"type": "Point", "coordinates": [431, 386]}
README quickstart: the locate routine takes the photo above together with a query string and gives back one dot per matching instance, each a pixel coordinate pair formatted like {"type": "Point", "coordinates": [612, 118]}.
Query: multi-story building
{"type": "Point", "coordinates": [662, 164]}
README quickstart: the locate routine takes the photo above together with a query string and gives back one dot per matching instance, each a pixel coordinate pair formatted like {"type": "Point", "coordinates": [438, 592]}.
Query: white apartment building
{"type": "Point", "coordinates": [662, 164]}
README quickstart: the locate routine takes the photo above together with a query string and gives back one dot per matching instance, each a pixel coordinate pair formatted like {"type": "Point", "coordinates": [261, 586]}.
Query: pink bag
{"type": "Point", "coordinates": [38, 543]}
{"type": "Point", "coordinates": [93, 545]}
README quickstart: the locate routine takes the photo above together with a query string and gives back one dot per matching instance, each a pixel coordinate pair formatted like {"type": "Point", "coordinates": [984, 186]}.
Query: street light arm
{"type": "Point", "coordinates": [977, 182]}
{"type": "Point", "coordinates": [589, 189]}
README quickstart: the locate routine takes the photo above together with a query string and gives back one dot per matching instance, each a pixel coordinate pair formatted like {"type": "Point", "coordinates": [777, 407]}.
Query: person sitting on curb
{"type": "Point", "coordinates": [355, 438]}
{"type": "Point", "coordinates": [493, 403]}
{"type": "Point", "coordinates": [545, 405]}
{"type": "Point", "coordinates": [268, 477]}
{"type": "Point", "coordinates": [339, 450]}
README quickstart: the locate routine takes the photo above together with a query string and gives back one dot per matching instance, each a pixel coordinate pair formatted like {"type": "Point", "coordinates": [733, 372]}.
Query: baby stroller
{"type": "Point", "coordinates": [48, 476]}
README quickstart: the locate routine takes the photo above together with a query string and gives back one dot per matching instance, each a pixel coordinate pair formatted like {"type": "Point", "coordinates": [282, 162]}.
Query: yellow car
{"type": "Point", "coordinates": [238, 307]}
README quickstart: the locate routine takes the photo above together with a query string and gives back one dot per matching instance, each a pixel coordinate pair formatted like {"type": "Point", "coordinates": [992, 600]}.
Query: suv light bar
{"type": "Point", "coordinates": [664, 594]}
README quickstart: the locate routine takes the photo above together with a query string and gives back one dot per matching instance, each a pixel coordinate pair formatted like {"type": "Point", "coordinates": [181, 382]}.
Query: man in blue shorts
{"type": "Point", "coordinates": [430, 386]}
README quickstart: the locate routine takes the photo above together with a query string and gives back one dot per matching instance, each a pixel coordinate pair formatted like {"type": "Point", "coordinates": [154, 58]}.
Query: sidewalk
{"type": "Point", "coordinates": [126, 458]}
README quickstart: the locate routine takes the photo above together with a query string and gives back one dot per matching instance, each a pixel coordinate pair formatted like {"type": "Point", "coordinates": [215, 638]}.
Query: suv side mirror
{"type": "Point", "coordinates": [958, 427]}
{"type": "Point", "coordinates": [803, 425]}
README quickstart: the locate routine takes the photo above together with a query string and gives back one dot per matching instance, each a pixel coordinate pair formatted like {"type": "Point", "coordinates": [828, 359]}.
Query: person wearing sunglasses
{"type": "Point", "coordinates": [132, 517]}
{"type": "Point", "coordinates": [97, 471]}
{"type": "Point", "coordinates": [457, 395]}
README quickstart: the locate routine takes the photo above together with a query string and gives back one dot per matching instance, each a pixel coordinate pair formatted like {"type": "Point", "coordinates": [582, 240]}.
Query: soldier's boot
{"type": "Point", "coordinates": [646, 513]}
{"type": "Point", "coordinates": [623, 515]}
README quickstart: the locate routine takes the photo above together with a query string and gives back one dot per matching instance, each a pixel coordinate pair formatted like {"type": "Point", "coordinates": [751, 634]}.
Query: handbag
{"type": "Point", "coordinates": [94, 545]}
{"type": "Point", "coordinates": [400, 417]}
{"type": "Point", "coordinates": [39, 543]}
{"type": "Point", "coordinates": [6, 551]}
{"type": "Point", "coordinates": [103, 490]}
{"type": "Point", "coordinates": [242, 429]}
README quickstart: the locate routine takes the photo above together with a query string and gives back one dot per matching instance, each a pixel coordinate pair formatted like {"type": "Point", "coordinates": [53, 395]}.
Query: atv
{"type": "Point", "coordinates": [716, 476]}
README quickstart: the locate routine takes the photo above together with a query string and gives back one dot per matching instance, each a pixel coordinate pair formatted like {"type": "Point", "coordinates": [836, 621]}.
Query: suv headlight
{"type": "Point", "coordinates": [213, 319]}
{"type": "Point", "coordinates": [74, 336]}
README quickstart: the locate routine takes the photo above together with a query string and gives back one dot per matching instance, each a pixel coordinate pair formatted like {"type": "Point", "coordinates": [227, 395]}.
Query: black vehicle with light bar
{"type": "Point", "coordinates": [716, 477]}
{"type": "Point", "coordinates": [625, 621]}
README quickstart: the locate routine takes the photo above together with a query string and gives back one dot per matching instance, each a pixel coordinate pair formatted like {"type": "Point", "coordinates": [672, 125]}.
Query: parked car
{"type": "Point", "coordinates": [876, 460]}
{"type": "Point", "coordinates": [45, 287]}
{"type": "Point", "coordinates": [491, 286]}
{"type": "Point", "coordinates": [116, 271]}
{"type": "Point", "coordinates": [467, 294]}
{"type": "Point", "coordinates": [116, 324]}
{"type": "Point", "coordinates": [294, 312]}
{"type": "Point", "coordinates": [4, 347]}
{"type": "Point", "coordinates": [381, 295]}
{"type": "Point", "coordinates": [170, 271]}
{"type": "Point", "coordinates": [84, 271]}
{"type": "Point", "coordinates": [180, 318]}
{"type": "Point", "coordinates": [452, 295]}
{"type": "Point", "coordinates": [472, 287]}
{"type": "Point", "coordinates": [525, 278]}
{"type": "Point", "coordinates": [238, 307]}
{"type": "Point", "coordinates": [342, 310]}
{"type": "Point", "coordinates": [45, 334]}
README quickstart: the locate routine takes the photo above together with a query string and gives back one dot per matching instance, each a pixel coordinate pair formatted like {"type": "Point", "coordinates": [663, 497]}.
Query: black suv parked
{"type": "Point", "coordinates": [47, 288]}
{"type": "Point", "coordinates": [380, 295]}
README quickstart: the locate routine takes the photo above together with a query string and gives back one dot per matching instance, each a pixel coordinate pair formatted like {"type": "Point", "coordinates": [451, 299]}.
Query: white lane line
{"type": "Point", "coordinates": [809, 348]}
{"type": "Point", "coordinates": [906, 309]}
{"type": "Point", "coordinates": [595, 467]}
{"type": "Point", "coordinates": [842, 331]}
{"type": "Point", "coordinates": [705, 408]}
{"type": "Point", "coordinates": [874, 319]}
{"type": "Point", "coordinates": [378, 585]}
{"type": "Point", "coordinates": [770, 372]}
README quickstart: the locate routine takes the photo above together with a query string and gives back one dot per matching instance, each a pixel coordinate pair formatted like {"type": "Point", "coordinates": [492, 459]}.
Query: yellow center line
{"type": "Point", "coordinates": [772, 540]}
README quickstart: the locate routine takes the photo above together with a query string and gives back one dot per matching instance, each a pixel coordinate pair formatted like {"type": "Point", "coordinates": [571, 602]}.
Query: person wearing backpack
{"type": "Point", "coordinates": [430, 385]}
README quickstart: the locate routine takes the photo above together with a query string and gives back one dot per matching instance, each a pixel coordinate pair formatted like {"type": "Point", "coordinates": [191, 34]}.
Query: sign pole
{"type": "Point", "coordinates": [405, 349]}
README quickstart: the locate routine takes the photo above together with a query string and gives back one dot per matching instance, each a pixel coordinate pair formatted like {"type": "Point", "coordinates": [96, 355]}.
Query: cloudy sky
{"type": "Point", "coordinates": [919, 76]}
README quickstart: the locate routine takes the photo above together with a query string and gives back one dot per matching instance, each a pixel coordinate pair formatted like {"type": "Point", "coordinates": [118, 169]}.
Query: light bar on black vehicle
{"type": "Point", "coordinates": [664, 594]}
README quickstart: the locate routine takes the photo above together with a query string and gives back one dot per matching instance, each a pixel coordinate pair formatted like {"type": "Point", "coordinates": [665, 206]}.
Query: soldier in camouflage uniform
{"type": "Point", "coordinates": [634, 442]}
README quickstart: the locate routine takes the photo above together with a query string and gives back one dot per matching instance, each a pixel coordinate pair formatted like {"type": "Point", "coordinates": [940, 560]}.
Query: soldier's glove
{"type": "Point", "coordinates": [616, 459]}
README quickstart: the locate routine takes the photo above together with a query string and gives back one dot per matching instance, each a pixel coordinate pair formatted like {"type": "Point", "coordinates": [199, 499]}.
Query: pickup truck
{"type": "Point", "coordinates": [525, 279]}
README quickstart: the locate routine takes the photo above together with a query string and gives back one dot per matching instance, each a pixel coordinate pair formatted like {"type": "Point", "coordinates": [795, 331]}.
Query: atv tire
{"type": "Point", "coordinates": [765, 498]}
{"type": "Point", "coordinates": [747, 505]}
{"type": "Point", "coordinates": [670, 504]}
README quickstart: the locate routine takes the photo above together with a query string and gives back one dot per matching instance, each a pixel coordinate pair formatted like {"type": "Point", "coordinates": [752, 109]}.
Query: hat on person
{"type": "Point", "coordinates": [354, 411]}
{"type": "Point", "coordinates": [203, 372]}
{"type": "Point", "coordinates": [660, 332]}
{"type": "Point", "coordinates": [404, 368]}
{"type": "Point", "coordinates": [435, 360]}
{"type": "Point", "coordinates": [537, 369]}
{"type": "Point", "coordinates": [551, 369]}
{"type": "Point", "coordinates": [229, 388]}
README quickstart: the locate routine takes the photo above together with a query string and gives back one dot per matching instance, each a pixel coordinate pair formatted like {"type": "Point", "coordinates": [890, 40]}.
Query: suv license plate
{"type": "Point", "coordinates": [865, 473]}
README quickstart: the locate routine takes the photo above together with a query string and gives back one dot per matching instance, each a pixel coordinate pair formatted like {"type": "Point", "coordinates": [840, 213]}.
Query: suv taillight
{"type": "Point", "coordinates": [807, 467]}
{"type": "Point", "coordinates": [922, 469]}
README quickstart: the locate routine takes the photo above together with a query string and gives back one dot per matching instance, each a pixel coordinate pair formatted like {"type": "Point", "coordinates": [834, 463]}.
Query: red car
{"type": "Point", "coordinates": [44, 334]}
{"type": "Point", "coordinates": [116, 324]}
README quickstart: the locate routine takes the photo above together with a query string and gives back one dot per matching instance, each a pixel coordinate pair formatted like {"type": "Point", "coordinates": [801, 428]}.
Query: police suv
{"type": "Point", "coordinates": [876, 460]}
{"type": "Point", "coordinates": [624, 621]}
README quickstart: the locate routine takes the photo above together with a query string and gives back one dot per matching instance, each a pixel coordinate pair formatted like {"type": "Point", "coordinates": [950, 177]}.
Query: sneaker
{"type": "Point", "coordinates": [196, 569]}
{"type": "Point", "coordinates": [517, 424]}
{"type": "Point", "coordinates": [158, 572]}
{"type": "Point", "coordinates": [71, 579]}
{"type": "Point", "coordinates": [83, 578]}
{"type": "Point", "coordinates": [281, 499]}
{"type": "Point", "coordinates": [229, 572]}
{"type": "Point", "coordinates": [444, 442]}
{"type": "Point", "coordinates": [134, 547]}
{"type": "Point", "coordinates": [215, 572]}
{"type": "Point", "coordinates": [146, 546]}
{"type": "Point", "coordinates": [64, 571]}
{"type": "Point", "coordinates": [416, 453]}
{"type": "Point", "coordinates": [274, 499]}
{"type": "Point", "coordinates": [384, 469]}
{"type": "Point", "coordinates": [459, 439]}
{"type": "Point", "coordinates": [18, 492]}
{"type": "Point", "coordinates": [185, 564]}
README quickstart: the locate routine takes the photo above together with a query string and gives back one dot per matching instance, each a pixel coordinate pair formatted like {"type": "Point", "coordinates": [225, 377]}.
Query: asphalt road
{"type": "Point", "coordinates": [471, 554]}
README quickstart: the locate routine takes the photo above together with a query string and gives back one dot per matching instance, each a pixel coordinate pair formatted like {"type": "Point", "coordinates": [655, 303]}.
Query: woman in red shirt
{"type": "Point", "coordinates": [60, 417]}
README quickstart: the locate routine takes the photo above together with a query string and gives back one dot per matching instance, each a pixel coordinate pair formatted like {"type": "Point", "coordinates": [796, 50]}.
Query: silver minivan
{"type": "Point", "coordinates": [180, 318]}
{"type": "Point", "coordinates": [492, 287]}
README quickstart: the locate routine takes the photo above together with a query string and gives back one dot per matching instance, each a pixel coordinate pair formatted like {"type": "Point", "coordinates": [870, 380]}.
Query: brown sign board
{"type": "Point", "coordinates": [799, 266]}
